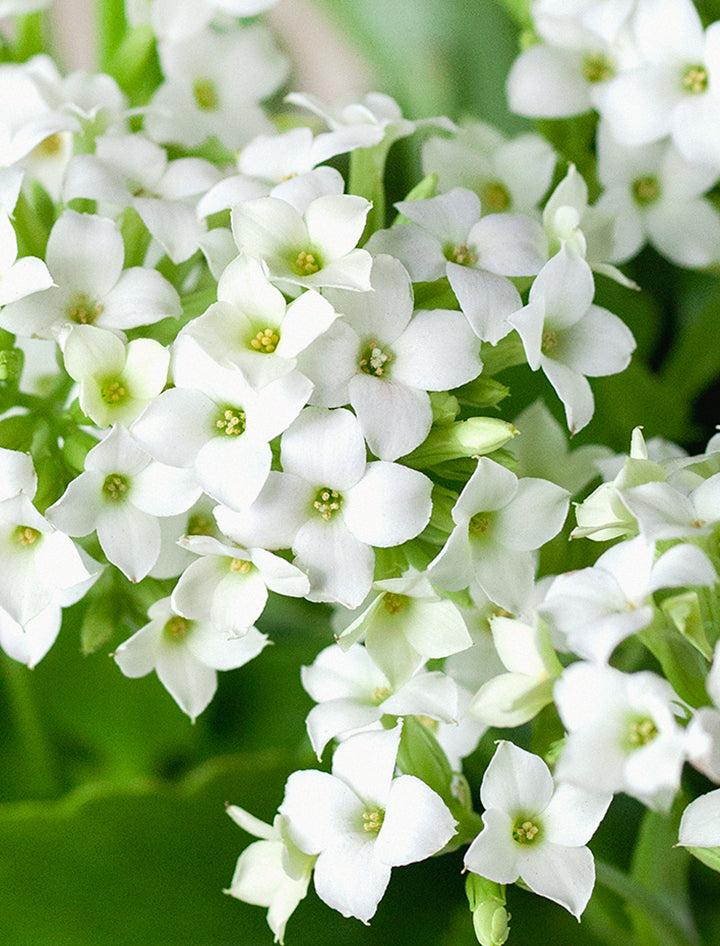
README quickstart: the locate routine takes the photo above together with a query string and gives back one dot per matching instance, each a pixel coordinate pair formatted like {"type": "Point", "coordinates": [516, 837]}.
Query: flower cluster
{"type": "Point", "coordinates": [227, 373]}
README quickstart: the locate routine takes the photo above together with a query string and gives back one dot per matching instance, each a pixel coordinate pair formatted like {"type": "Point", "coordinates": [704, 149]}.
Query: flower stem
{"type": "Point", "coordinates": [643, 899]}
{"type": "Point", "coordinates": [40, 778]}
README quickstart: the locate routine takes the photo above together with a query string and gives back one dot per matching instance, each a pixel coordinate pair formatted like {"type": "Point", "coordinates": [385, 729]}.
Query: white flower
{"type": "Point", "coordinates": [655, 195]}
{"type": "Point", "coordinates": [185, 655]}
{"type": "Point", "coordinates": [506, 174]}
{"type": "Point", "coordinates": [228, 585]}
{"type": "Point", "coordinates": [205, 94]}
{"type": "Point", "coordinates": [85, 257]}
{"type": "Point", "coordinates": [406, 624]}
{"type": "Point", "coordinates": [271, 872]}
{"type": "Point", "coordinates": [214, 422]}
{"type": "Point", "coordinates": [595, 608]}
{"type": "Point", "coordinates": [622, 733]}
{"type": "Point", "coordinates": [311, 250]}
{"type": "Point", "coordinates": [117, 380]}
{"type": "Point", "coordinates": [332, 506]}
{"type": "Point", "coordinates": [535, 830]}
{"type": "Point", "coordinates": [353, 694]}
{"type": "Point", "coordinates": [570, 338]}
{"type": "Point", "coordinates": [448, 237]}
{"type": "Point", "coordinates": [120, 495]}
{"type": "Point", "coordinates": [362, 822]}
{"type": "Point", "coordinates": [252, 326]}
{"type": "Point", "coordinates": [499, 521]}
{"type": "Point", "coordinates": [391, 358]}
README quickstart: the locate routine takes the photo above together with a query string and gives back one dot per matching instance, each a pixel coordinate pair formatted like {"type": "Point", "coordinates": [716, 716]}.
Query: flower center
{"type": "Point", "coordinates": [394, 603]}
{"type": "Point", "coordinates": [646, 190]}
{"type": "Point", "coordinates": [495, 197]}
{"type": "Point", "coordinates": [265, 341]}
{"type": "Point", "coordinates": [549, 342]}
{"type": "Point", "coordinates": [199, 524]}
{"type": "Point", "coordinates": [380, 694]}
{"type": "Point", "coordinates": [372, 820]}
{"type": "Point", "coordinates": [231, 421]}
{"type": "Point", "coordinates": [114, 392]}
{"type": "Point", "coordinates": [327, 502]}
{"type": "Point", "coordinates": [596, 67]}
{"type": "Point", "coordinates": [479, 524]}
{"type": "Point", "coordinates": [695, 79]}
{"type": "Point", "coordinates": [26, 535]}
{"type": "Point", "coordinates": [461, 254]}
{"type": "Point", "coordinates": [374, 360]}
{"type": "Point", "coordinates": [115, 487]}
{"type": "Point", "coordinates": [306, 263]}
{"type": "Point", "coordinates": [525, 831]}
{"type": "Point", "coordinates": [240, 565]}
{"type": "Point", "coordinates": [205, 95]}
{"type": "Point", "coordinates": [83, 310]}
{"type": "Point", "coordinates": [49, 147]}
{"type": "Point", "coordinates": [177, 629]}
{"type": "Point", "coordinates": [640, 732]}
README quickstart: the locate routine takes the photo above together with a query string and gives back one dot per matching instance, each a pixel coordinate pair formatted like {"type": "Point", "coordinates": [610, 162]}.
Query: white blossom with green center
{"type": "Point", "coordinates": [536, 830]}
{"type": "Point", "coordinates": [378, 504]}
{"type": "Point", "coordinates": [352, 693]}
{"type": "Point", "coordinates": [252, 326]}
{"type": "Point", "coordinates": [215, 422]}
{"type": "Point", "coordinates": [204, 93]}
{"type": "Point", "coordinates": [229, 585]}
{"type": "Point", "coordinates": [315, 248]}
{"type": "Point", "coordinates": [447, 236]}
{"type": "Point", "coordinates": [361, 822]}
{"type": "Point", "coordinates": [623, 735]}
{"type": "Point", "coordinates": [657, 196]}
{"type": "Point", "coordinates": [85, 256]}
{"type": "Point", "coordinates": [185, 654]}
{"type": "Point", "coordinates": [386, 357]}
{"type": "Point", "coordinates": [120, 496]}
{"type": "Point", "coordinates": [500, 521]}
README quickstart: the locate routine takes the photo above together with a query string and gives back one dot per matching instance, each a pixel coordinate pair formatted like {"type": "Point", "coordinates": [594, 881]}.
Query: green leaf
{"type": "Point", "coordinates": [661, 868]}
{"type": "Point", "coordinates": [16, 432]}
{"type": "Point", "coordinates": [684, 666]}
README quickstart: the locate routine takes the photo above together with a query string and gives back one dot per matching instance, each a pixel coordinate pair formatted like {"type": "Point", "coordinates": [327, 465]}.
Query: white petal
{"type": "Point", "coordinates": [417, 823]}
{"type": "Point", "coordinates": [516, 781]}
{"type": "Point", "coordinates": [190, 683]}
{"type": "Point", "coordinates": [389, 505]}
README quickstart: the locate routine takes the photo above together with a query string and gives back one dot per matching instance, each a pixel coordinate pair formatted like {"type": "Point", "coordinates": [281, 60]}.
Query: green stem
{"type": "Point", "coordinates": [643, 899]}
{"type": "Point", "coordinates": [32, 235]}
{"type": "Point", "coordinates": [29, 36]}
{"type": "Point", "coordinates": [40, 776]}
{"type": "Point", "coordinates": [367, 171]}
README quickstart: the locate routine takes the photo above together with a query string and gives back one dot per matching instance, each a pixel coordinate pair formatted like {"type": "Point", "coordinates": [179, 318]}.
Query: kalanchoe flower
{"type": "Point", "coordinates": [407, 623]}
{"type": "Point", "coordinates": [214, 422]}
{"type": "Point", "coordinates": [535, 830]}
{"type": "Point", "coordinates": [570, 338]}
{"type": "Point", "coordinates": [85, 256]}
{"type": "Point", "coordinates": [229, 585]}
{"type": "Point", "coordinates": [252, 327]}
{"type": "Point", "coordinates": [271, 872]}
{"type": "Point", "coordinates": [120, 495]}
{"type": "Point", "coordinates": [353, 694]}
{"type": "Point", "coordinates": [176, 20]}
{"type": "Point", "coordinates": [500, 521]}
{"type": "Point", "coordinates": [185, 655]}
{"type": "Point", "coordinates": [622, 733]}
{"type": "Point", "coordinates": [309, 250]}
{"type": "Point", "coordinates": [331, 506]}
{"type": "Point", "coordinates": [593, 609]}
{"type": "Point", "coordinates": [506, 174]}
{"type": "Point", "coordinates": [361, 822]}
{"type": "Point", "coordinates": [389, 357]}
{"type": "Point", "coordinates": [448, 237]}
{"type": "Point", "coordinates": [117, 380]}
{"type": "Point", "coordinates": [204, 94]}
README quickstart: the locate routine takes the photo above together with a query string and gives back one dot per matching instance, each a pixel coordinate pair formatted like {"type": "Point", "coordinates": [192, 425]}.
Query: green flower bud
{"type": "Point", "coordinates": [466, 438]}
